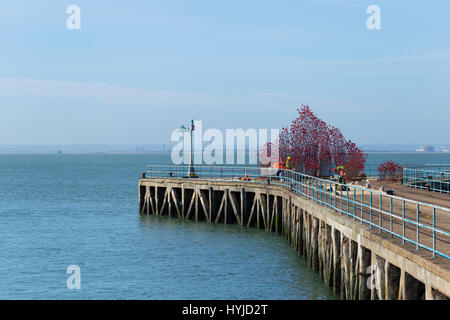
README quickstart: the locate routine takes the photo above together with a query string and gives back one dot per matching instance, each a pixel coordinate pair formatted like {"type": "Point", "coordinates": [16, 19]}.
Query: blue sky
{"type": "Point", "coordinates": [139, 69]}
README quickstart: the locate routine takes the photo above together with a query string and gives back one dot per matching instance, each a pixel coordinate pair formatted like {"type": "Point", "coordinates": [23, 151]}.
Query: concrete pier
{"type": "Point", "coordinates": [358, 263]}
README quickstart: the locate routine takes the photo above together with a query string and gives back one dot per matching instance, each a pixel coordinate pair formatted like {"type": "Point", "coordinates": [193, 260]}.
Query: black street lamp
{"type": "Point", "coordinates": [191, 171]}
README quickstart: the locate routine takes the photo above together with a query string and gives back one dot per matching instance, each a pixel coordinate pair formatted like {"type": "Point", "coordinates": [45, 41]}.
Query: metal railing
{"type": "Point", "coordinates": [424, 225]}
{"type": "Point", "coordinates": [371, 169]}
{"type": "Point", "coordinates": [438, 181]}
{"type": "Point", "coordinates": [442, 167]}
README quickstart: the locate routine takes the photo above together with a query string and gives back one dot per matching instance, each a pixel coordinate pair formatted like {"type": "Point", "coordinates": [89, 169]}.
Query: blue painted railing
{"type": "Point", "coordinates": [438, 181]}
{"type": "Point", "coordinates": [421, 224]}
{"type": "Point", "coordinates": [371, 169]}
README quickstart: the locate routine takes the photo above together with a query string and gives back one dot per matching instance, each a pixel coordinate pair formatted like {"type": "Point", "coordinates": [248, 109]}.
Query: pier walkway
{"type": "Point", "coordinates": [421, 195]}
{"type": "Point", "coordinates": [418, 232]}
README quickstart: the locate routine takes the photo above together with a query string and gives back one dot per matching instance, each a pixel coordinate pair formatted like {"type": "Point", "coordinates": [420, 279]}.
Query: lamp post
{"type": "Point", "coordinates": [191, 171]}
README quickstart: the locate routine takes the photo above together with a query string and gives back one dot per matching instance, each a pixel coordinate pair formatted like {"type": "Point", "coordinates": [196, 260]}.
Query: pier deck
{"type": "Point", "coordinates": [431, 197]}
{"type": "Point", "coordinates": [352, 229]}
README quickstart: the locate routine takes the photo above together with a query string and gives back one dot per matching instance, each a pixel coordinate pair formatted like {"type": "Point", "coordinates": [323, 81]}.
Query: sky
{"type": "Point", "coordinates": [137, 70]}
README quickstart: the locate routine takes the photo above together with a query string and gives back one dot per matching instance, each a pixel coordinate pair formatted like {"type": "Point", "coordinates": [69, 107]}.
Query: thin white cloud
{"type": "Point", "coordinates": [108, 93]}
{"type": "Point", "coordinates": [346, 3]}
{"type": "Point", "coordinates": [48, 111]}
{"type": "Point", "coordinates": [52, 112]}
{"type": "Point", "coordinates": [115, 94]}
{"type": "Point", "coordinates": [432, 56]}
{"type": "Point", "coordinates": [283, 96]}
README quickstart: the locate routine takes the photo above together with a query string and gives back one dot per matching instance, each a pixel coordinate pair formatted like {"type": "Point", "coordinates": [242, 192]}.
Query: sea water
{"type": "Point", "coordinates": [81, 210]}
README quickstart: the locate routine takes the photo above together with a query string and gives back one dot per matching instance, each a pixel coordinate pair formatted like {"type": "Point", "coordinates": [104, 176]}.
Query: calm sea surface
{"type": "Point", "coordinates": [62, 210]}
{"type": "Point", "coordinates": [410, 158]}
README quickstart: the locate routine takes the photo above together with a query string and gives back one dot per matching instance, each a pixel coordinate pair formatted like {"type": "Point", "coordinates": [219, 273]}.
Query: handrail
{"type": "Point", "coordinates": [371, 203]}
{"type": "Point", "coordinates": [438, 181]}
{"type": "Point", "coordinates": [371, 169]}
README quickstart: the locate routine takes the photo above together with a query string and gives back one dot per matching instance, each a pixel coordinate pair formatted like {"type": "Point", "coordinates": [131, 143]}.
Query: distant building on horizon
{"type": "Point", "coordinates": [425, 149]}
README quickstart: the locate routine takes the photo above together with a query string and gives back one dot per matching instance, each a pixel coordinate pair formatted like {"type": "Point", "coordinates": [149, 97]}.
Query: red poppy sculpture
{"type": "Point", "coordinates": [316, 148]}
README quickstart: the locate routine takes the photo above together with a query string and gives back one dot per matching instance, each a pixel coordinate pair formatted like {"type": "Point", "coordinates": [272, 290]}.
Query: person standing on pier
{"type": "Point", "coordinates": [288, 163]}
{"type": "Point", "coordinates": [341, 180]}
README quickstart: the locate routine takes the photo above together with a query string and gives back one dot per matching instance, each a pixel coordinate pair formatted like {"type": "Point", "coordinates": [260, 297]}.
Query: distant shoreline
{"type": "Point", "coordinates": [415, 152]}
{"type": "Point", "coordinates": [168, 152]}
